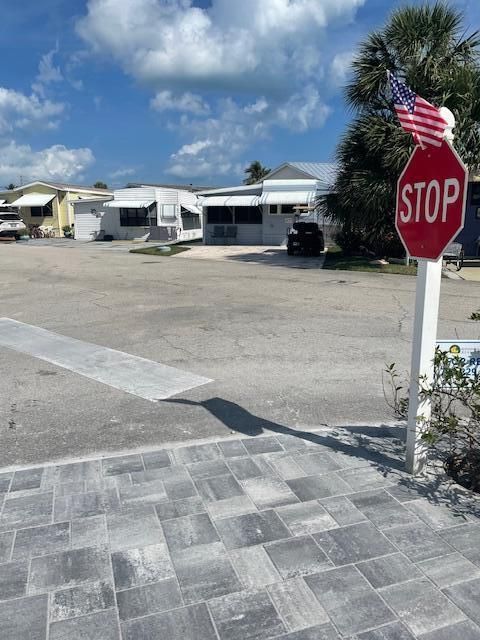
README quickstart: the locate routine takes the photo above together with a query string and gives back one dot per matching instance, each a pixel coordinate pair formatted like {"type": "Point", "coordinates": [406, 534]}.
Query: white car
{"type": "Point", "coordinates": [11, 224]}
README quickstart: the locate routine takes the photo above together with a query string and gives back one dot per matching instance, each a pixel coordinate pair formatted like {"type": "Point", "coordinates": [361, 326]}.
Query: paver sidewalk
{"type": "Point", "coordinates": [294, 536]}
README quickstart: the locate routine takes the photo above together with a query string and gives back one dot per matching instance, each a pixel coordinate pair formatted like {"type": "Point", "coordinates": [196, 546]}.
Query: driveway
{"type": "Point", "coordinates": [261, 254]}
{"type": "Point", "coordinates": [276, 346]}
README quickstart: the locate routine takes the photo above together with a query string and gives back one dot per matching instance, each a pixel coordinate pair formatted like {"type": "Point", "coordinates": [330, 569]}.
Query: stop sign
{"type": "Point", "coordinates": [431, 196]}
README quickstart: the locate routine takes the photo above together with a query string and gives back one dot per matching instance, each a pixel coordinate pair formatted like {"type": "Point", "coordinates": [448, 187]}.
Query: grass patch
{"type": "Point", "coordinates": [154, 251]}
{"type": "Point", "coordinates": [336, 260]}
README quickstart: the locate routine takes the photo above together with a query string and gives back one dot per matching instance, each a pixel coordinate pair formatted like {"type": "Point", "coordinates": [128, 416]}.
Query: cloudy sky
{"type": "Point", "coordinates": [186, 91]}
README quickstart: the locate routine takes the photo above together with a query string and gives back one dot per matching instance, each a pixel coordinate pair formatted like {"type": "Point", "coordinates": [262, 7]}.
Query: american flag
{"type": "Point", "coordinates": [416, 115]}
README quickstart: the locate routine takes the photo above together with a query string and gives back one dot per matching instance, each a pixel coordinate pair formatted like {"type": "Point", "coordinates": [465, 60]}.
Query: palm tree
{"type": "Point", "coordinates": [255, 172]}
{"type": "Point", "coordinates": [100, 185]}
{"type": "Point", "coordinates": [11, 186]}
{"type": "Point", "coordinates": [426, 47]}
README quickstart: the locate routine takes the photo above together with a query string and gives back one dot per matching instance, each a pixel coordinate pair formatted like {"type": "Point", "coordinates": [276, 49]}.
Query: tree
{"type": "Point", "coordinates": [427, 48]}
{"type": "Point", "coordinates": [255, 172]}
{"type": "Point", "coordinates": [11, 186]}
{"type": "Point", "coordinates": [100, 185]}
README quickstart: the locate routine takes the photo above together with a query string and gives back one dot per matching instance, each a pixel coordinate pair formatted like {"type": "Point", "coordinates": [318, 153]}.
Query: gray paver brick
{"type": "Point", "coordinates": [204, 572]}
{"type": "Point", "coordinates": [208, 469]}
{"type": "Point", "coordinates": [254, 567]}
{"type": "Point", "coordinates": [418, 541]}
{"type": "Point", "coordinates": [464, 538]}
{"type": "Point", "coordinates": [349, 600]}
{"type": "Point", "coordinates": [354, 543]}
{"type": "Point", "coordinates": [285, 466]}
{"type": "Point", "coordinates": [5, 480]}
{"type": "Point", "coordinates": [421, 605]}
{"type": "Point", "coordinates": [133, 528]}
{"type": "Point", "coordinates": [245, 616]}
{"type": "Point", "coordinates": [232, 449]}
{"type": "Point", "coordinates": [136, 567]}
{"type": "Point", "coordinates": [466, 595]}
{"type": "Point", "coordinates": [156, 459]}
{"type": "Point", "coordinates": [146, 493]}
{"type": "Point", "coordinates": [122, 464]}
{"type": "Point", "coordinates": [297, 557]}
{"type": "Point", "coordinates": [382, 509]}
{"type": "Point", "coordinates": [297, 605]}
{"type": "Point", "coordinates": [365, 478]}
{"type": "Point", "coordinates": [446, 571]}
{"type": "Point", "coordinates": [27, 479]}
{"type": "Point", "coordinates": [465, 630]}
{"type": "Point", "coordinates": [189, 531]}
{"type": "Point", "coordinates": [316, 487]}
{"type": "Point", "coordinates": [316, 463]}
{"type": "Point", "coordinates": [319, 632]}
{"type": "Point", "coordinates": [343, 510]}
{"type": "Point", "coordinates": [306, 517]}
{"type": "Point", "coordinates": [151, 598]}
{"type": "Point", "coordinates": [83, 505]}
{"type": "Point", "coordinates": [179, 508]}
{"type": "Point", "coordinates": [97, 626]}
{"type": "Point", "coordinates": [40, 541]}
{"type": "Point", "coordinates": [89, 532]}
{"type": "Point", "coordinates": [68, 488]}
{"type": "Point", "coordinates": [436, 516]}
{"type": "Point", "coordinates": [231, 507]}
{"type": "Point", "coordinates": [90, 470]}
{"type": "Point", "coordinates": [243, 468]}
{"type": "Point", "coordinates": [24, 618]}
{"type": "Point", "coordinates": [68, 568]}
{"type": "Point", "coordinates": [187, 623]}
{"type": "Point", "coordinates": [6, 541]}
{"type": "Point", "coordinates": [268, 444]}
{"type": "Point", "coordinates": [82, 600]}
{"type": "Point", "coordinates": [27, 511]}
{"type": "Point", "coordinates": [197, 453]}
{"type": "Point", "coordinates": [179, 489]}
{"type": "Point", "coordinates": [268, 493]}
{"type": "Point", "coordinates": [382, 572]}
{"type": "Point", "coordinates": [251, 528]}
{"type": "Point", "coordinates": [394, 631]}
{"type": "Point", "coordinates": [13, 580]}
{"type": "Point", "coordinates": [219, 488]}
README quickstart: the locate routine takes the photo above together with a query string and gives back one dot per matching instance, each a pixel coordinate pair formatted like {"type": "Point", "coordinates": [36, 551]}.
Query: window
{"type": "Point", "coordinates": [41, 212]}
{"type": "Point", "coordinates": [475, 195]}
{"type": "Point", "coordinates": [289, 209]}
{"type": "Point", "coordinates": [273, 208]}
{"type": "Point", "coordinates": [248, 215]}
{"type": "Point", "coordinates": [190, 220]}
{"type": "Point", "coordinates": [134, 217]}
{"type": "Point", "coordinates": [219, 215]}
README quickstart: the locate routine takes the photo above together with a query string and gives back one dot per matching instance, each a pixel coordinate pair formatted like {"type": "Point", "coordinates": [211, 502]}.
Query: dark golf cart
{"type": "Point", "coordinates": [306, 238]}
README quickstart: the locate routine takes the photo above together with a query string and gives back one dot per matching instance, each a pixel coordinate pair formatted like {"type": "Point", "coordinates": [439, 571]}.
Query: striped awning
{"type": "Point", "coordinates": [230, 201]}
{"type": "Point", "coordinates": [129, 204]}
{"type": "Point", "coordinates": [34, 200]}
{"type": "Point", "coordinates": [288, 197]}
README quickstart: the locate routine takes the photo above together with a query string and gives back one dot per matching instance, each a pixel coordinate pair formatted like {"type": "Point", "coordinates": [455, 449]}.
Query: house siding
{"type": "Point", "coordinates": [471, 231]}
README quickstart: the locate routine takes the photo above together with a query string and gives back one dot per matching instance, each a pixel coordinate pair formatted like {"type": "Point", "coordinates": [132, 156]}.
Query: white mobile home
{"type": "Point", "coordinates": [262, 213]}
{"type": "Point", "coordinates": [148, 212]}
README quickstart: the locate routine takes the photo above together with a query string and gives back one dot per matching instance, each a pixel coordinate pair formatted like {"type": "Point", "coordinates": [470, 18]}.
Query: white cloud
{"type": "Point", "coordinates": [55, 163]}
{"type": "Point", "coordinates": [340, 67]}
{"type": "Point", "coordinates": [230, 45]}
{"type": "Point", "coordinates": [123, 173]}
{"type": "Point", "coordinates": [186, 102]}
{"type": "Point", "coordinates": [48, 73]}
{"type": "Point", "coordinates": [19, 111]}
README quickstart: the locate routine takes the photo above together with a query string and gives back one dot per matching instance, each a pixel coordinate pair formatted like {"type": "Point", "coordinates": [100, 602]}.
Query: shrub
{"type": "Point", "coordinates": [452, 432]}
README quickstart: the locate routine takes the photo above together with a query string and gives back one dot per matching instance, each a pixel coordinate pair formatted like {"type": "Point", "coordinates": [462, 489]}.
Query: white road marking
{"type": "Point", "coordinates": [139, 376]}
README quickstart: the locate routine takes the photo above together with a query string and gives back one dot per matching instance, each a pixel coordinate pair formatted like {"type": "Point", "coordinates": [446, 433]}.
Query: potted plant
{"type": "Point", "coordinates": [67, 231]}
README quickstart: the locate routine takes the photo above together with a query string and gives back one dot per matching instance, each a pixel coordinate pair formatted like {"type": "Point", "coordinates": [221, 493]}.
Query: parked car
{"type": "Point", "coordinates": [306, 238]}
{"type": "Point", "coordinates": [11, 224]}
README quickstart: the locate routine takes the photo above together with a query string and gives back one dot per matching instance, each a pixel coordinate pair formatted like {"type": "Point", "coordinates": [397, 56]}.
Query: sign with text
{"type": "Point", "coordinates": [431, 197]}
{"type": "Point", "coordinates": [467, 350]}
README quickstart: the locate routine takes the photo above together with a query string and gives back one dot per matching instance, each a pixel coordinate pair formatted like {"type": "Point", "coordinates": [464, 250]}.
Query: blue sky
{"type": "Point", "coordinates": [176, 90]}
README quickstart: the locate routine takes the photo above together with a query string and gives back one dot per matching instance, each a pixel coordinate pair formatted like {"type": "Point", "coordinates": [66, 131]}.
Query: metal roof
{"type": "Point", "coordinates": [177, 187]}
{"type": "Point", "coordinates": [324, 171]}
{"type": "Point", "coordinates": [60, 186]}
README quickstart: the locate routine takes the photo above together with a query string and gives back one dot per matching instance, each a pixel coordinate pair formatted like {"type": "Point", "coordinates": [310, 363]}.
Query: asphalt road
{"type": "Point", "coordinates": [284, 347]}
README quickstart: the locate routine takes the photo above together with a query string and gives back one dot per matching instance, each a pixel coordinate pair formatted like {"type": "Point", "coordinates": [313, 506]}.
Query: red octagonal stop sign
{"type": "Point", "coordinates": [431, 196]}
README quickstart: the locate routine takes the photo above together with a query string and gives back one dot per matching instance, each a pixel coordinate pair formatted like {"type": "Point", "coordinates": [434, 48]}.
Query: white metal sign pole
{"type": "Point", "coordinates": [427, 301]}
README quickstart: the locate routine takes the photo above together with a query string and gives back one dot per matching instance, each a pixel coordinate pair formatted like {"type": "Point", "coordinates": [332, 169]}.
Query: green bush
{"type": "Point", "coordinates": [452, 432]}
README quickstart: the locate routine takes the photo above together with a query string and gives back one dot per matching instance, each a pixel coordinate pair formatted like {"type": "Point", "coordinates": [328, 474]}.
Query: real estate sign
{"type": "Point", "coordinates": [467, 350]}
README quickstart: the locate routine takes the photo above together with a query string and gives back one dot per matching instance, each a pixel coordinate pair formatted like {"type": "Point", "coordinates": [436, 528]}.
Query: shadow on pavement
{"type": "Point", "coordinates": [382, 448]}
{"type": "Point", "coordinates": [279, 258]}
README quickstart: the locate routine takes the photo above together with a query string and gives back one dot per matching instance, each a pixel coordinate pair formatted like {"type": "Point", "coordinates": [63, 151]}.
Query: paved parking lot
{"type": "Point", "coordinates": [283, 347]}
{"type": "Point", "coordinates": [299, 536]}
